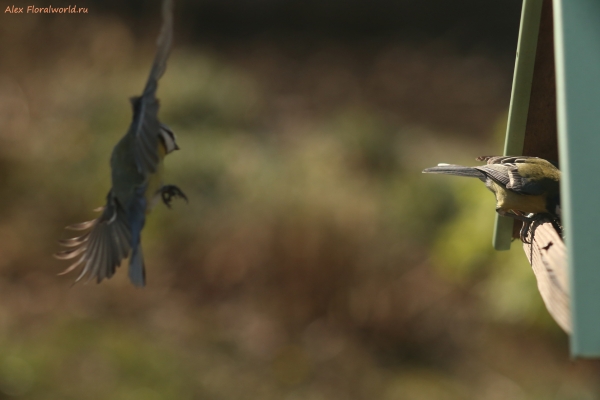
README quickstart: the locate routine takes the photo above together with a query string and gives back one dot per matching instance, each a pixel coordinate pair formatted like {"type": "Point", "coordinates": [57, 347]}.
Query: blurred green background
{"type": "Point", "coordinates": [313, 261]}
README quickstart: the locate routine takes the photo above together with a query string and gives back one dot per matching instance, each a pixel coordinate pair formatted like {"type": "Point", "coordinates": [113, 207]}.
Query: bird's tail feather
{"type": "Point", "coordinates": [137, 271]}
{"type": "Point", "coordinates": [458, 170]}
{"type": "Point", "coordinates": [137, 219]}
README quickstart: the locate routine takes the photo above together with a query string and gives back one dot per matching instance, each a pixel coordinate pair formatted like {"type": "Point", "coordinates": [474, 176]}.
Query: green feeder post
{"type": "Point", "coordinates": [519, 102]}
{"type": "Point", "coordinates": [577, 60]}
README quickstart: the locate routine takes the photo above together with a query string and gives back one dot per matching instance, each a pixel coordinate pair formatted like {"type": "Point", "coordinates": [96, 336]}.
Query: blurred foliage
{"type": "Point", "coordinates": [314, 261]}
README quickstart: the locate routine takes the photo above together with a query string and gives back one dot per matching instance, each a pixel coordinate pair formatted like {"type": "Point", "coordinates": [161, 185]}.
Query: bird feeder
{"type": "Point", "coordinates": [555, 114]}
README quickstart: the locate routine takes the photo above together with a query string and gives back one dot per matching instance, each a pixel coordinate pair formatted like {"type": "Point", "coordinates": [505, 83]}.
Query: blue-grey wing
{"type": "Point", "coordinates": [145, 126]}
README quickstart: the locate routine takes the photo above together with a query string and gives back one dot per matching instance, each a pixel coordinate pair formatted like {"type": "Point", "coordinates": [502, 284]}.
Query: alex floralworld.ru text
{"type": "Point", "coordinates": [46, 10]}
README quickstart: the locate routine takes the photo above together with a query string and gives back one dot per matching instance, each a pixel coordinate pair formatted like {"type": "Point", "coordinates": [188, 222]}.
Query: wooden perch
{"type": "Point", "coordinates": [547, 255]}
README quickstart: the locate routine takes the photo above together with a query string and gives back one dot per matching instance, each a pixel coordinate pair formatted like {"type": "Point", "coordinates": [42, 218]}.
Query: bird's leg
{"type": "Point", "coordinates": [167, 192]}
{"type": "Point", "coordinates": [525, 228]}
{"type": "Point", "coordinates": [523, 233]}
{"type": "Point", "coordinates": [516, 214]}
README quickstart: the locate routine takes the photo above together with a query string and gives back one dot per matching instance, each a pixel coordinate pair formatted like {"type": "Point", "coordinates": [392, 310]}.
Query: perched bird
{"type": "Point", "coordinates": [136, 167]}
{"type": "Point", "coordinates": [525, 187]}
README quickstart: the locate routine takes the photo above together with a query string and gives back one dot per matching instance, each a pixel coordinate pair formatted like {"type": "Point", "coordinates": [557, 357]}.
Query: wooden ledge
{"type": "Point", "coordinates": [547, 255]}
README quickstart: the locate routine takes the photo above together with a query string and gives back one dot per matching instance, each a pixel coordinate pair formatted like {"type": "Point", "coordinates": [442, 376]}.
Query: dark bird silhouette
{"type": "Point", "coordinates": [136, 168]}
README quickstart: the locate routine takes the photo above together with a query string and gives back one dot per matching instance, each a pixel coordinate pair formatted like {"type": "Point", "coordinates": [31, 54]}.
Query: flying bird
{"type": "Point", "coordinates": [526, 188]}
{"type": "Point", "coordinates": [136, 168]}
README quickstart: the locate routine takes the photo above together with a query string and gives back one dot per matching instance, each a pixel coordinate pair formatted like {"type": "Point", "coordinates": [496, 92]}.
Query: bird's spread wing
{"type": "Point", "coordinates": [165, 38]}
{"type": "Point", "coordinates": [102, 249]}
{"type": "Point", "coordinates": [145, 126]}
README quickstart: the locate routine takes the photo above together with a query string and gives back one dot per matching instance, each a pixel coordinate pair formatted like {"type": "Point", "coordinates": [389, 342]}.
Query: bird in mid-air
{"type": "Point", "coordinates": [136, 167]}
{"type": "Point", "coordinates": [525, 187]}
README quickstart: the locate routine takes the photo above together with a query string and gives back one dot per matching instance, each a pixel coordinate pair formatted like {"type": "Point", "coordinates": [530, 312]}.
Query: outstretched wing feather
{"type": "Point", "coordinates": [145, 125]}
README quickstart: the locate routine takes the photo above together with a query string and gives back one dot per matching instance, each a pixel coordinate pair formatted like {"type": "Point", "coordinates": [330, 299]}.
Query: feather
{"type": "Point", "coordinates": [82, 226]}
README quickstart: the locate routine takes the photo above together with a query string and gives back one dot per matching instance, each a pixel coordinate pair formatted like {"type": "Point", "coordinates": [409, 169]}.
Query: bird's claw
{"type": "Point", "coordinates": [168, 192]}
{"type": "Point", "coordinates": [524, 232]}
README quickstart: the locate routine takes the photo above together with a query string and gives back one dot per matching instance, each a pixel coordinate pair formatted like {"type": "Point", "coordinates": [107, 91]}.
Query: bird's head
{"type": "Point", "coordinates": [168, 138]}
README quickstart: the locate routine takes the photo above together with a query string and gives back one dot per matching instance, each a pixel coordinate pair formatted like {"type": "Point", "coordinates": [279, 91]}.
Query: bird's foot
{"type": "Point", "coordinates": [168, 192]}
{"type": "Point", "coordinates": [527, 220]}
{"type": "Point", "coordinates": [524, 232]}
